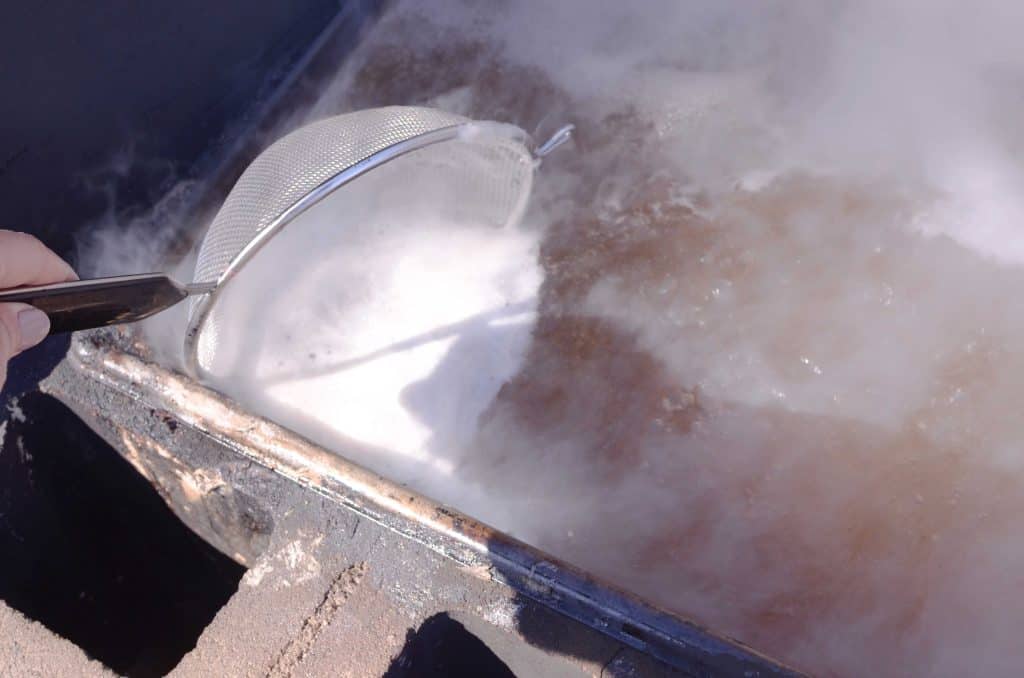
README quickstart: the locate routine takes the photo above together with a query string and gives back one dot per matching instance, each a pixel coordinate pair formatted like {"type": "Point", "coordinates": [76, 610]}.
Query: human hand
{"type": "Point", "coordinates": [25, 261]}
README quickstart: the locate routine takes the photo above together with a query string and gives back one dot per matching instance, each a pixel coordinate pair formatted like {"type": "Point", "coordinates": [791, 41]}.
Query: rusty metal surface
{"type": "Point", "coordinates": [215, 479]}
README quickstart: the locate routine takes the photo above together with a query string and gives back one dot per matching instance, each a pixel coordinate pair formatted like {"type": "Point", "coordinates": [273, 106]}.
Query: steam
{"type": "Point", "coordinates": [754, 352]}
{"type": "Point", "coordinates": [396, 318]}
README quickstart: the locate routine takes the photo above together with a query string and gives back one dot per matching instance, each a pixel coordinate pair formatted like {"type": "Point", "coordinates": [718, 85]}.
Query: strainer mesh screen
{"type": "Point", "coordinates": [487, 176]}
{"type": "Point", "coordinates": [298, 163]}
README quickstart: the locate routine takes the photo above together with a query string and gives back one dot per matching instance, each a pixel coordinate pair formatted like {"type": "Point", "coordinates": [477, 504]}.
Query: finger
{"type": "Point", "coordinates": [26, 261]}
{"type": "Point", "coordinates": [21, 327]}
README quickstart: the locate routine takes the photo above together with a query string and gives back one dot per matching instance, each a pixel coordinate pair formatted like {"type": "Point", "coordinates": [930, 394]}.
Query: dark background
{"type": "Point", "coordinates": [103, 107]}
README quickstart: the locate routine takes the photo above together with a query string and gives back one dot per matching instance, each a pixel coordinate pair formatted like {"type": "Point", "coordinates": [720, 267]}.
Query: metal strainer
{"type": "Point", "coordinates": [492, 165]}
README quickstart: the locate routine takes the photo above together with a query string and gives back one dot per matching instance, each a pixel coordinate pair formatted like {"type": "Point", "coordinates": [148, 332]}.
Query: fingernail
{"type": "Point", "coordinates": [33, 325]}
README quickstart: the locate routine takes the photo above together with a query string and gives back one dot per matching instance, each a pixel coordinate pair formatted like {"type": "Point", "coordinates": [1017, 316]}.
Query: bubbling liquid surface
{"type": "Point", "coordinates": [804, 437]}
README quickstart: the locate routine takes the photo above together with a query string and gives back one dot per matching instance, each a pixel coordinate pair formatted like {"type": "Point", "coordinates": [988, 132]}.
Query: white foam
{"type": "Point", "coordinates": [379, 323]}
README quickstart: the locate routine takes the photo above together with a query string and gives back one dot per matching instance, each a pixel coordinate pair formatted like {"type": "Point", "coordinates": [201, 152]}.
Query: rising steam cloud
{"type": "Point", "coordinates": [754, 351]}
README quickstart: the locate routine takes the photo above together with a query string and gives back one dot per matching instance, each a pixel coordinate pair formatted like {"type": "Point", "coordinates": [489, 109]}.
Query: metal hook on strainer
{"type": "Point", "coordinates": [494, 161]}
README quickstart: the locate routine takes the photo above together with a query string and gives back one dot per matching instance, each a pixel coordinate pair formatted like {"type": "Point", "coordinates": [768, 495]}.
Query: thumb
{"type": "Point", "coordinates": [21, 327]}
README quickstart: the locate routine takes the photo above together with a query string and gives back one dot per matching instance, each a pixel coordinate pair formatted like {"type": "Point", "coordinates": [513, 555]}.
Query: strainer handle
{"type": "Point", "coordinates": [85, 304]}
